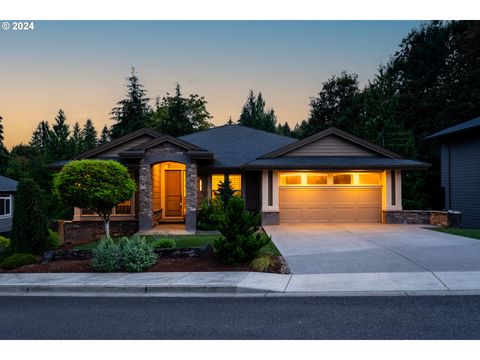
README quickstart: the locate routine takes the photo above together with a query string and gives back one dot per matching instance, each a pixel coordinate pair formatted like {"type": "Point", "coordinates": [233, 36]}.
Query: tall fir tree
{"type": "Point", "coordinates": [133, 112]}
{"type": "Point", "coordinates": [3, 149]}
{"type": "Point", "coordinates": [254, 114]}
{"type": "Point", "coordinates": [59, 143]}
{"type": "Point", "coordinates": [76, 140]}
{"type": "Point", "coordinates": [41, 136]}
{"type": "Point", "coordinates": [104, 136]}
{"type": "Point", "coordinates": [89, 135]}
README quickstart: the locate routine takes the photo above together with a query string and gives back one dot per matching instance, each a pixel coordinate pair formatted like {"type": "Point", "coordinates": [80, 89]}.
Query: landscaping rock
{"type": "Point", "coordinates": [48, 256]}
{"type": "Point", "coordinates": [206, 251]}
{"type": "Point", "coordinates": [73, 254]}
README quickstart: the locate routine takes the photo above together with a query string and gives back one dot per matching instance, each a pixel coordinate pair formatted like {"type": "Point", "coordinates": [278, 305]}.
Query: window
{"type": "Point", "coordinates": [317, 179]}
{"type": "Point", "coordinates": [88, 212]}
{"type": "Point", "coordinates": [293, 180]}
{"type": "Point", "coordinates": [235, 181]}
{"type": "Point", "coordinates": [369, 179]}
{"type": "Point", "coordinates": [342, 179]}
{"type": "Point", "coordinates": [124, 208]}
{"type": "Point", "coordinates": [5, 205]}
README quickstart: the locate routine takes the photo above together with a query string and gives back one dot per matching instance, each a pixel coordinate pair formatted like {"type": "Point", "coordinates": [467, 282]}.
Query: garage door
{"type": "Point", "coordinates": [314, 205]}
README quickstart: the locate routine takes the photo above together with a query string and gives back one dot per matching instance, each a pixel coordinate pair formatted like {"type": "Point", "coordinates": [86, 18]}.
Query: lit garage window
{"type": "Point", "coordinates": [369, 179]}
{"type": "Point", "coordinates": [316, 179]}
{"type": "Point", "coordinates": [342, 179]}
{"type": "Point", "coordinates": [293, 179]}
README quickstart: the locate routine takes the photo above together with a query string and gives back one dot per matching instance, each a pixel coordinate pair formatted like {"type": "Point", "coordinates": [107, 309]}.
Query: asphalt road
{"type": "Point", "coordinates": [440, 317]}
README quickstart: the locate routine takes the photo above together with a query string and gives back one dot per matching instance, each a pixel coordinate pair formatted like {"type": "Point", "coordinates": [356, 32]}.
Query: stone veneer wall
{"type": "Point", "coordinates": [429, 217]}
{"type": "Point", "coordinates": [78, 232]}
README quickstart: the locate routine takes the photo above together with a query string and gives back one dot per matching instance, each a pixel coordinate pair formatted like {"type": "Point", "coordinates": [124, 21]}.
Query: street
{"type": "Point", "coordinates": [433, 317]}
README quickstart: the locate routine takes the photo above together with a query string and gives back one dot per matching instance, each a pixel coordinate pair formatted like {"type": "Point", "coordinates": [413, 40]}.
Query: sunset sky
{"type": "Point", "coordinates": [81, 66]}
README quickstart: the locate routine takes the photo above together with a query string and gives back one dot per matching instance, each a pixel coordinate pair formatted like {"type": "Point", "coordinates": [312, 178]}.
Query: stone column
{"type": "Point", "coordinates": [145, 219]}
{"type": "Point", "coordinates": [191, 206]}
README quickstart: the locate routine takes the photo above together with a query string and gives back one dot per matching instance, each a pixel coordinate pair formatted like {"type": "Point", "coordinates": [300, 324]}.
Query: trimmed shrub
{"type": "Point", "coordinates": [240, 241]}
{"type": "Point", "coordinates": [208, 214]}
{"type": "Point", "coordinates": [262, 262]}
{"type": "Point", "coordinates": [4, 244]}
{"type": "Point", "coordinates": [53, 240]}
{"type": "Point", "coordinates": [106, 256]}
{"type": "Point", "coordinates": [30, 222]}
{"type": "Point", "coordinates": [17, 260]}
{"type": "Point", "coordinates": [162, 243]}
{"type": "Point", "coordinates": [136, 255]}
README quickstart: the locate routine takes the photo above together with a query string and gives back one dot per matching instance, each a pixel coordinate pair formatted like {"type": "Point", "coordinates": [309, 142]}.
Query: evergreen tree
{"type": "Point", "coordinates": [176, 115]}
{"type": "Point", "coordinates": [284, 130]}
{"type": "Point", "coordinates": [41, 136]}
{"type": "Point", "coordinates": [89, 135]}
{"type": "Point", "coordinates": [30, 222]}
{"type": "Point", "coordinates": [76, 140]}
{"type": "Point", "coordinates": [254, 115]}
{"type": "Point", "coordinates": [59, 144]}
{"type": "Point", "coordinates": [132, 113]}
{"type": "Point", "coordinates": [225, 191]}
{"type": "Point", "coordinates": [230, 121]}
{"type": "Point", "coordinates": [104, 136]}
{"type": "Point", "coordinates": [3, 149]}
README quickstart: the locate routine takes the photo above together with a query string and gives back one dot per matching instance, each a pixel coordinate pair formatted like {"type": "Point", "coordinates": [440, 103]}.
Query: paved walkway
{"type": "Point", "coordinates": [372, 248]}
{"type": "Point", "coordinates": [234, 283]}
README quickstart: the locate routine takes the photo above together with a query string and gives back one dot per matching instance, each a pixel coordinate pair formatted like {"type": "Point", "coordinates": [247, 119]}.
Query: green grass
{"type": "Point", "coordinates": [471, 233]}
{"type": "Point", "coordinates": [186, 241]}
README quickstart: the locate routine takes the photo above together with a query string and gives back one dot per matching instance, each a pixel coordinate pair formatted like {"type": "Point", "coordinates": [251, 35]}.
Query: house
{"type": "Point", "coordinates": [460, 169]}
{"type": "Point", "coordinates": [8, 187]}
{"type": "Point", "coordinates": [331, 176]}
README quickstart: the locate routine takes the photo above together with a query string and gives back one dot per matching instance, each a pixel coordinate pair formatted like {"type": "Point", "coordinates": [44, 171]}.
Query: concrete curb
{"type": "Point", "coordinates": [241, 284]}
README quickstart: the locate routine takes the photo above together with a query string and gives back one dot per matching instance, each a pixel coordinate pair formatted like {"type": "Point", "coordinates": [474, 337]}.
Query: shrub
{"type": "Point", "coordinates": [208, 214]}
{"type": "Point", "coordinates": [163, 243]}
{"type": "Point", "coordinates": [30, 222]}
{"type": "Point", "coordinates": [53, 239]}
{"type": "Point", "coordinates": [136, 255]}
{"type": "Point", "coordinates": [107, 256]}
{"type": "Point", "coordinates": [4, 244]}
{"type": "Point", "coordinates": [239, 241]}
{"type": "Point", "coordinates": [17, 260]}
{"type": "Point", "coordinates": [225, 191]}
{"type": "Point", "coordinates": [262, 262]}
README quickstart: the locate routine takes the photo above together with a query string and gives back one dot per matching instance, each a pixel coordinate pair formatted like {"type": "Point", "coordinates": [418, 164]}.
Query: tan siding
{"type": "Point", "coordinates": [331, 146]}
{"type": "Point", "coordinates": [123, 147]}
{"type": "Point", "coordinates": [156, 188]}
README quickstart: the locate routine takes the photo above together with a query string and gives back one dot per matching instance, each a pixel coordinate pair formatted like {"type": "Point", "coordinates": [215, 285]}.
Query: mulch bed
{"type": "Point", "coordinates": [164, 264]}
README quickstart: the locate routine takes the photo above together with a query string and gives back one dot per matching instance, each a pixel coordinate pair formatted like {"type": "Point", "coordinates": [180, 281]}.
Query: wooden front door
{"type": "Point", "coordinates": [173, 193]}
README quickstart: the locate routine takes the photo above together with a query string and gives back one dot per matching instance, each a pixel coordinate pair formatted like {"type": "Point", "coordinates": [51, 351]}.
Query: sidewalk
{"type": "Point", "coordinates": [240, 283]}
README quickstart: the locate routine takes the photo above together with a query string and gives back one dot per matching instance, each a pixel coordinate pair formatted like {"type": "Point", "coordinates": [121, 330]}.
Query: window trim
{"type": "Point", "coordinates": [10, 208]}
{"type": "Point", "coordinates": [355, 179]}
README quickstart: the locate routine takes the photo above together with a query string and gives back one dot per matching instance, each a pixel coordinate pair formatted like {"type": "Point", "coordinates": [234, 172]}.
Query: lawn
{"type": "Point", "coordinates": [471, 233]}
{"type": "Point", "coordinates": [187, 241]}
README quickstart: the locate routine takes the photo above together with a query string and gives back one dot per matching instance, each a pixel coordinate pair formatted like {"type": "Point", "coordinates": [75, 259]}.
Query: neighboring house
{"type": "Point", "coordinates": [329, 177]}
{"type": "Point", "coordinates": [8, 187]}
{"type": "Point", "coordinates": [460, 153]}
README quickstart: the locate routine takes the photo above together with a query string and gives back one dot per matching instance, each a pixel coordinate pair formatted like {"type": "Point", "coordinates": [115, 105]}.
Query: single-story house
{"type": "Point", "coordinates": [8, 187]}
{"type": "Point", "coordinates": [460, 169]}
{"type": "Point", "coordinates": [331, 176]}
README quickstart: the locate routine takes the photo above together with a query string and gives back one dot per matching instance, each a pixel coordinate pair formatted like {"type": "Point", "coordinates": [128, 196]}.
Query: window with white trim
{"type": "Point", "coordinates": [5, 205]}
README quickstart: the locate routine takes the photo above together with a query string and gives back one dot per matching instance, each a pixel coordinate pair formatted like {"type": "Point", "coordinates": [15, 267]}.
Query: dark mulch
{"type": "Point", "coordinates": [164, 264]}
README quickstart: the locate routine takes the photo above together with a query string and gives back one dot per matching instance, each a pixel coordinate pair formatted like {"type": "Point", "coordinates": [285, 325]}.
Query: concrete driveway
{"type": "Point", "coordinates": [367, 248]}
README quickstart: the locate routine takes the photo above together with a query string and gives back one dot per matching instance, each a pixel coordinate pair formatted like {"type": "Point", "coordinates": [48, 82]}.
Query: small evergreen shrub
{"type": "Point", "coordinates": [106, 256]}
{"type": "Point", "coordinates": [4, 244]}
{"type": "Point", "coordinates": [53, 240]}
{"type": "Point", "coordinates": [225, 191]}
{"type": "Point", "coordinates": [262, 262]}
{"type": "Point", "coordinates": [136, 254]}
{"type": "Point", "coordinates": [240, 241]}
{"type": "Point", "coordinates": [162, 243]}
{"type": "Point", "coordinates": [17, 260]}
{"type": "Point", "coordinates": [208, 214]}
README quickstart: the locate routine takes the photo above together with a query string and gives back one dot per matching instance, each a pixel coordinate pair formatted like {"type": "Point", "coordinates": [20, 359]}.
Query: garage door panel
{"type": "Point", "coordinates": [330, 205]}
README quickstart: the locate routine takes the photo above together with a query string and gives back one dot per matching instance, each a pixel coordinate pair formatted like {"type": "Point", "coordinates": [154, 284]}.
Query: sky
{"type": "Point", "coordinates": [81, 66]}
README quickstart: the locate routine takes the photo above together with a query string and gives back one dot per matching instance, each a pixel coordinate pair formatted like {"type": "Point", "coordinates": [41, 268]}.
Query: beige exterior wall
{"type": "Point", "coordinates": [330, 146]}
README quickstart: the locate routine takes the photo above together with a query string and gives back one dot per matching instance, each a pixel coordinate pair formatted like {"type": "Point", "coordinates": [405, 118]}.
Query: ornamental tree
{"type": "Point", "coordinates": [99, 185]}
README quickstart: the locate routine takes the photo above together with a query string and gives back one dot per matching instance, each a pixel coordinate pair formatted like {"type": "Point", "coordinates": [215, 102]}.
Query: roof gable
{"type": "Point", "coordinates": [113, 148]}
{"type": "Point", "coordinates": [166, 139]}
{"type": "Point", "coordinates": [457, 129]}
{"type": "Point", "coordinates": [7, 184]}
{"type": "Point", "coordinates": [331, 142]}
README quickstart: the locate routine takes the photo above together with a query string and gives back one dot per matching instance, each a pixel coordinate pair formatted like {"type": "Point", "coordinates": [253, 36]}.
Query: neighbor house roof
{"type": "Point", "coordinates": [235, 145]}
{"type": "Point", "coordinates": [473, 124]}
{"type": "Point", "coordinates": [335, 162]}
{"type": "Point", "coordinates": [7, 184]}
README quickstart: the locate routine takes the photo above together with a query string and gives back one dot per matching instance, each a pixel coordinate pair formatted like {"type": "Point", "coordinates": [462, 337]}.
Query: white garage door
{"type": "Point", "coordinates": [315, 205]}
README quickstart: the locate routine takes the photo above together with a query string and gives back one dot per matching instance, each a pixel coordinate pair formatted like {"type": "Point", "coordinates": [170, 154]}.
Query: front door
{"type": "Point", "coordinates": [173, 192]}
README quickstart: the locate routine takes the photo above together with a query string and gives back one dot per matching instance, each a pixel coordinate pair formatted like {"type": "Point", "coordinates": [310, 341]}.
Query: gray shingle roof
{"type": "Point", "coordinates": [465, 126]}
{"type": "Point", "coordinates": [336, 162]}
{"type": "Point", "coordinates": [235, 145]}
{"type": "Point", "coordinates": [7, 184]}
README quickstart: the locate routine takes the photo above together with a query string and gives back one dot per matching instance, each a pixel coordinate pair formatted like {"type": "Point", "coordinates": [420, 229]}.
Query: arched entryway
{"type": "Point", "coordinates": [168, 192]}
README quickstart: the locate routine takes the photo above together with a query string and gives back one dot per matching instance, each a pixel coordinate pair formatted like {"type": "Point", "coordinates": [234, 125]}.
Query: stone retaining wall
{"type": "Point", "coordinates": [428, 217]}
{"type": "Point", "coordinates": [78, 232]}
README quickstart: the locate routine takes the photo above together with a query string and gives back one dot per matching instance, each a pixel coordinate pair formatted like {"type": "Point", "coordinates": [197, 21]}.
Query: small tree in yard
{"type": "Point", "coordinates": [30, 222]}
{"type": "Point", "coordinates": [240, 241]}
{"type": "Point", "coordinates": [225, 191]}
{"type": "Point", "coordinates": [94, 184]}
